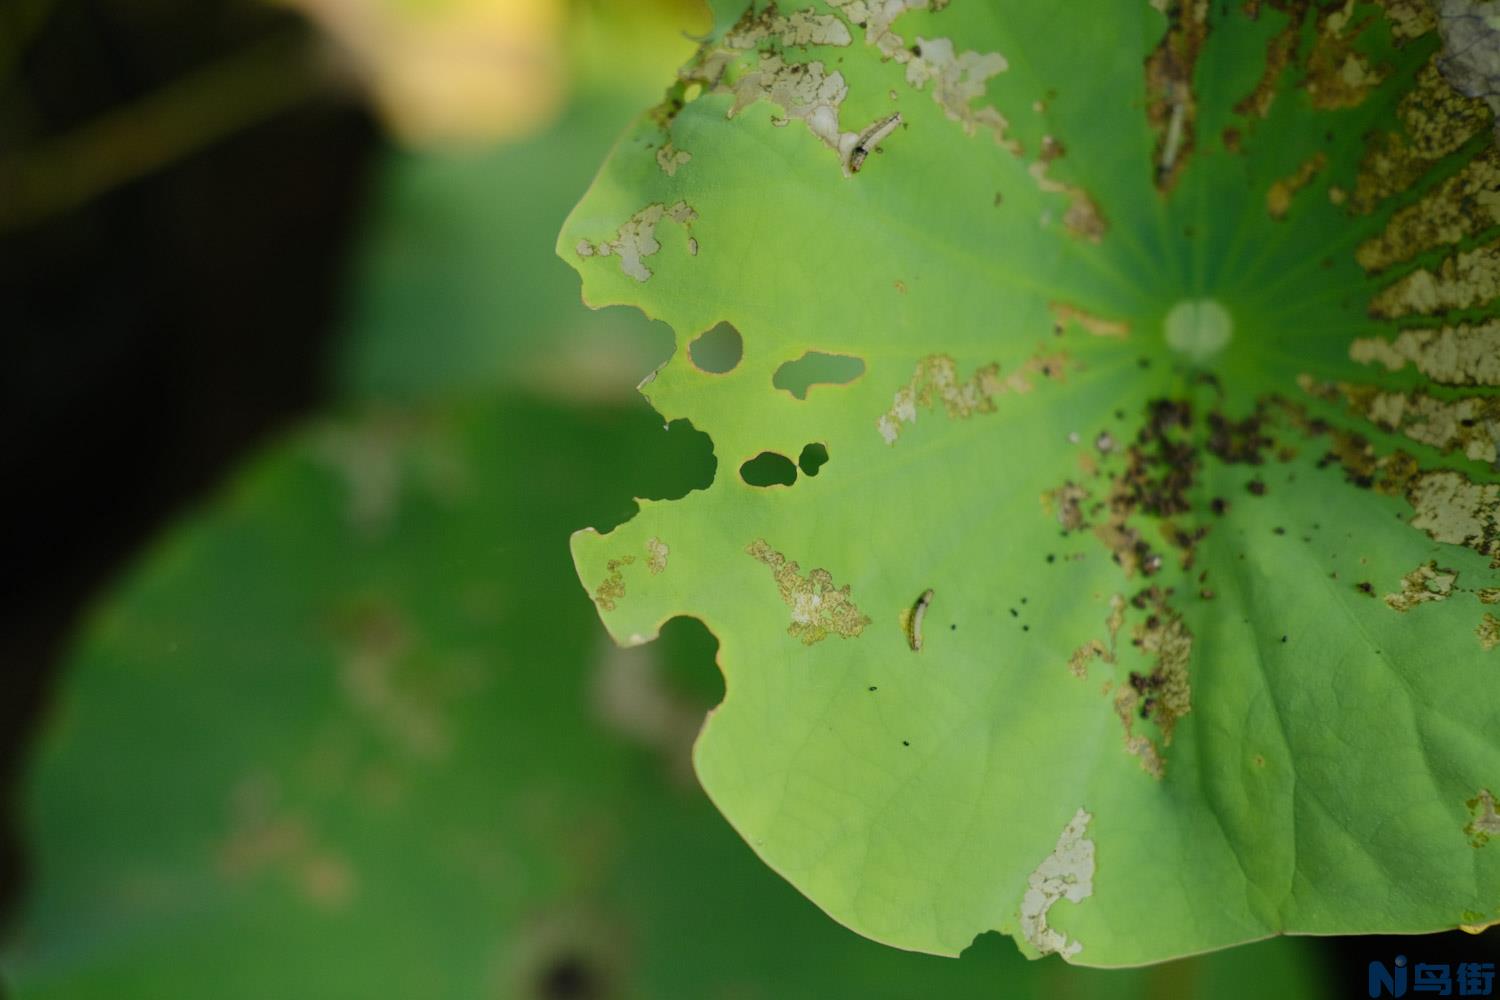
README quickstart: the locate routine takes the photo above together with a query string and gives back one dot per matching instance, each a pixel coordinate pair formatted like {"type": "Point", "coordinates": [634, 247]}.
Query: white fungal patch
{"type": "Point", "coordinates": [1453, 509]}
{"type": "Point", "coordinates": [958, 79]}
{"type": "Point", "coordinates": [669, 158]}
{"type": "Point", "coordinates": [1067, 873]}
{"type": "Point", "coordinates": [636, 239]}
{"type": "Point", "coordinates": [797, 29]}
{"type": "Point", "coordinates": [878, 15]}
{"type": "Point", "coordinates": [1453, 355]}
{"type": "Point", "coordinates": [1471, 49]}
{"type": "Point", "coordinates": [935, 382]}
{"type": "Point", "coordinates": [804, 91]}
{"type": "Point", "coordinates": [656, 555]}
{"type": "Point", "coordinates": [1464, 281]}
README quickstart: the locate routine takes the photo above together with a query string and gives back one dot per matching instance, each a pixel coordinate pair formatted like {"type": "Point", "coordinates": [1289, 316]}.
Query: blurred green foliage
{"type": "Point", "coordinates": [459, 289]}
{"type": "Point", "coordinates": [355, 732]}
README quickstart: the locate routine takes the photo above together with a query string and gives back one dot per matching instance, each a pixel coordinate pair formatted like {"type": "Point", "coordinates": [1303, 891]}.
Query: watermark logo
{"type": "Point", "coordinates": [1467, 979]}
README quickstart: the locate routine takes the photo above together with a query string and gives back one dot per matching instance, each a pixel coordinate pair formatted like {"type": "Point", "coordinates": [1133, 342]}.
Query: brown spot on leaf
{"type": "Point", "coordinates": [1484, 823]}
{"type": "Point", "coordinates": [1488, 631]}
{"type": "Point", "coordinates": [1452, 355]}
{"type": "Point", "coordinates": [1469, 425]}
{"type": "Point", "coordinates": [1409, 18]}
{"type": "Point", "coordinates": [657, 552]}
{"type": "Point", "coordinates": [1463, 281]}
{"type": "Point", "coordinates": [1462, 205]}
{"type": "Point", "coordinates": [1078, 663]}
{"type": "Point", "coordinates": [1065, 315]}
{"type": "Point", "coordinates": [935, 381]}
{"type": "Point", "coordinates": [1426, 584]}
{"type": "Point", "coordinates": [1279, 197]}
{"type": "Point", "coordinates": [612, 588]}
{"type": "Point", "coordinates": [1164, 694]}
{"type": "Point", "coordinates": [1453, 509]}
{"type": "Point", "coordinates": [818, 608]}
{"type": "Point", "coordinates": [1435, 121]}
{"type": "Point", "coordinates": [1279, 52]}
{"type": "Point", "coordinates": [1338, 75]}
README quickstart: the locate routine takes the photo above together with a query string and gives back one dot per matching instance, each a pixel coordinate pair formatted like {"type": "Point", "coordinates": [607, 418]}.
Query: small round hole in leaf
{"type": "Point", "coordinates": [718, 351]}
{"type": "Point", "coordinates": [813, 458]}
{"type": "Point", "coordinates": [769, 469]}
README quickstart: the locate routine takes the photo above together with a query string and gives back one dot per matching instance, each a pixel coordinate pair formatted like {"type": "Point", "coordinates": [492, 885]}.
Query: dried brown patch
{"type": "Point", "coordinates": [1464, 281]}
{"type": "Point", "coordinates": [1279, 197]}
{"type": "Point", "coordinates": [1172, 107]}
{"type": "Point", "coordinates": [1279, 52]}
{"type": "Point", "coordinates": [1488, 632]}
{"type": "Point", "coordinates": [1427, 584]}
{"type": "Point", "coordinates": [1468, 425]}
{"type": "Point", "coordinates": [1409, 18]}
{"type": "Point", "coordinates": [1064, 315]}
{"type": "Point", "coordinates": [819, 609]}
{"type": "Point", "coordinates": [1435, 121]}
{"type": "Point", "coordinates": [1461, 206]}
{"type": "Point", "coordinates": [1162, 696]}
{"type": "Point", "coordinates": [1078, 663]}
{"type": "Point", "coordinates": [935, 382]}
{"type": "Point", "coordinates": [1338, 75]}
{"type": "Point", "coordinates": [1453, 355]}
{"type": "Point", "coordinates": [612, 588]}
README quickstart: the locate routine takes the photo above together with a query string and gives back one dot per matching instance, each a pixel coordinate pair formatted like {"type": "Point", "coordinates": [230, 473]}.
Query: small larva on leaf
{"type": "Point", "coordinates": [870, 138]}
{"type": "Point", "coordinates": [914, 622]}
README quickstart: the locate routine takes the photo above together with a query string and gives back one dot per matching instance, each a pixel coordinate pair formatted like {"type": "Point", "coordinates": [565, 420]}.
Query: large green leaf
{"type": "Point", "coordinates": [1139, 608]}
{"type": "Point", "coordinates": [354, 733]}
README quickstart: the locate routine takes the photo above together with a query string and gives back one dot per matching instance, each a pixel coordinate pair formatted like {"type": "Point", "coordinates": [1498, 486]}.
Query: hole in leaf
{"type": "Point", "coordinates": [687, 653]}
{"type": "Point", "coordinates": [817, 368]}
{"type": "Point", "coordinates": [813, 458]}
{"type": "Point", "coordinates": [662, 466]}
{"type": "Point", "coordinates": [717, 351]}
{"type": "Point", "coordinates": [687, 463]}
{"type": "Point", "coordinates": [769, 469]}
{"type": "Point", "coordinates": [569, 977]}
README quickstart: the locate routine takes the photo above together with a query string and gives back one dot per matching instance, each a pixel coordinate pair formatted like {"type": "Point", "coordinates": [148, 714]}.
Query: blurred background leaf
{"type": "Point", "coordinates": [453, 288]}
{"type": "Point", "coordinates": [354, 731]}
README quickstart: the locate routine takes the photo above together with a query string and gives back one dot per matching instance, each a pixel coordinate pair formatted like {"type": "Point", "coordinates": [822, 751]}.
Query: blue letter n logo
{"type": "Point", "coordinates": [1388, 982]}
